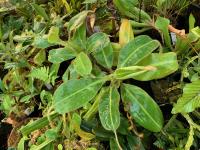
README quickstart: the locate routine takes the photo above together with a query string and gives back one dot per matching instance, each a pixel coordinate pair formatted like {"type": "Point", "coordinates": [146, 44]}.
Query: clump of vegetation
{"type": "Point", "coordinates": [89, 74]}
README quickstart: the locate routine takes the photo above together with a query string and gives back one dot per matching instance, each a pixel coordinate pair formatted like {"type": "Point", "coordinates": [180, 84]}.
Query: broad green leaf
{"type": "Point", "coordinates": [40, 11]}
{"type": "Point", "coordinates": [129, 8]}
{"type": "Point", "coordinates": [79, 38]}
{"type": "Point", "coordinates": [82, 64]}
{"type": "Point", "coordinates": [125, 32]}
{"type": "Point", "coordinates": [155, 66]}
{"type": "Point", "coordinates": [40, 57]}
{"type": "Point", "coordinates": [142, 107]}
{"type": "Point", "coordinates": [53, 36]}
{"type": "Point", "coordinates": [105, 56]}
{"type": "Point", "coordinates": [136, 50]}
{"type": "Point", "coordinates": [41, 42]}
{"type": "Point", "coordinates": [97, 42]}
{"type": "Point", "coordinates": [76, 21]}
{"type": "Point", "coordinates": [61, 54]}
{"type": "Point", "coordinates": [75, 94]}
{"type": "Point", "coordinates": [190, 100]}
{"type": "Point", "coordinates": [158, 66]}
{"type": "Point", "coordinates": [109, 109]}
{"type": "Point", "coordinates": [162, 24]}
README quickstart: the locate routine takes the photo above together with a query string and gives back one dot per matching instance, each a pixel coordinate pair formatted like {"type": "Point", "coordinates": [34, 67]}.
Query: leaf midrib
{"type": "Point", "coordinates": [143, 109]}
{"type": "Point", "coordinates": [122, 65]}
{"type": "Point", "coordinates": [110, 108]}
{"type": "Point", "coordinates": [64, 99]}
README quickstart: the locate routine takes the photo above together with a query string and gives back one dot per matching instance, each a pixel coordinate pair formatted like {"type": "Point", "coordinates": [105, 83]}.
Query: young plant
{"type": "Point", "coordinates": [136, 60]}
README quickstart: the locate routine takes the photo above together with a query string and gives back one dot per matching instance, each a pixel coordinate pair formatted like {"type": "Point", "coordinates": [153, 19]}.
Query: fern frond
{"type": "Point", "coordinates": [41, 73]}
{"type": "Point", "coordinates": [190, 99]}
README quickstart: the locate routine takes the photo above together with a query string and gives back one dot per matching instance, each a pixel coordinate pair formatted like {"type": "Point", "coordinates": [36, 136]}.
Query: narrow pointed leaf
{"type": "Point", "coordinates": [40, 11]}
{"type": "Point", "coordinates": [82, 64]}
{"type": "Point", "coordinates": [75, 94]}
{"type": "Point", "coordinates": [162, 24]}
{"type": "Point", "coordinates": [190, 99]}
{"type": "Point", "coordinates": [142, 107]}
{"type": "Point", "coordinates": [136, 50]}
{"type": "Point", "coordinates": [109, 109]}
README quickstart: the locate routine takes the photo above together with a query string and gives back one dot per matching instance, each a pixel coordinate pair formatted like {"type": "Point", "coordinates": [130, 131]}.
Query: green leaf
{"type": "Point", "coordinates": [116, 49]}
{"type": "Point", "coordinates": [41, 73]}
{"type": "Point", "coordinates": [79, 40]}
{"type": "Point", "coordinates": [75, 94]}
{"type": "Point", "coordinates": [164, 64]}
{"type": "Point", "coordinates": [37, 124]}
{"type": "Point", "coordinates": [105, 56]}
{"type": "Point", "coordinates": [82, 64]}
{"type": "Point", "coordinates": [70, 74]}
{"type": "Point", "coordinates": [97, 42]}
{"type": "Point", "coordinates": [191, 21]}
{"type": "Point", "coordinates": [113, 144]}
{"type": "Point", "coordinates": [89, 1]}
{"type": "Point", "coordinates": [53, 36]}
{"type": "Point", "coordinates": [21, 143]}
{"type": "Point", "coordinates": [40, 57]}
{"type": "Point", "coordinates": [41, 42]}
{"type": "Point", "coordinates": [129, 8]}
{"type": "Point", "coordinates": [42, 145]}
{"type": "Point", "coordinates": [190, 100]}
{"type": "Point", "coordinates": [125, 32]}
{"type": "Point", "coordinates": [134, 141]}
{"type": "Point", "coordinates": [142, 107]}
{"type": "Point", "coordinates": [109, 109]}
{"type": "Point", "coordinates": [136, 50]}
{"type": "Point", "coordinates": [7, 103]}
{"type": "Point", "coordinates": [190, 139]}
{"type": "Point", "coordinates": [61, 54]}
{"type": "Point", "coordinates": [40, 11]}
{"type": "Point", "coordinates": [76, 21]}
{"type": "Point", "coordinates": [162, 24]}
{"type": "Point", "coordinates": [76, 123]}
{"type": "Point", "coordinates": [155, 66]}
